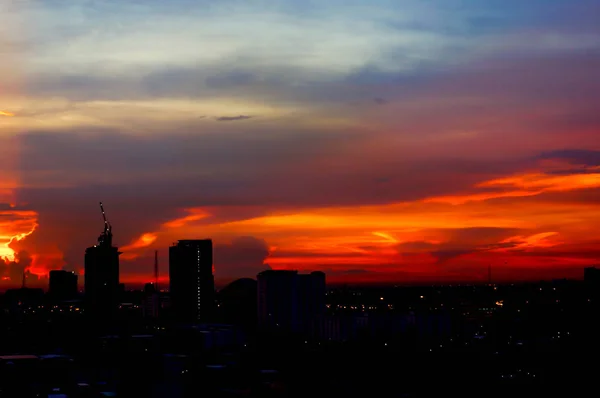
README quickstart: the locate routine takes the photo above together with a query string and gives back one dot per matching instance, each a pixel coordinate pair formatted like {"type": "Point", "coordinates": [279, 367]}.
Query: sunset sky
{"type": "Point", "coordinates": [405, 140]}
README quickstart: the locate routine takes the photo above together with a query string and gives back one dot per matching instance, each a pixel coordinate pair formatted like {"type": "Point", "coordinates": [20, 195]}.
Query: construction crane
{"type": "Point", "coordinates": [105, 238]}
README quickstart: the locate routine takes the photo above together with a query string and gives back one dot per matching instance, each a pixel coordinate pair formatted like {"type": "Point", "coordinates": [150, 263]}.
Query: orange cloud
{"type": "Point", "coordinates": [42, 263]}
{"type": "Point", "coordinates": [387, 237]}
{"type": "Point", "coordinates": [15, 225]}
{"type": "Point", "coordinates": [135, 248]}
{"type": "Point", "coordinates": [5, 113]}
{"type": "Point", "coordinates": [143, 241]}
{"type": "Point", "coordinates": [196, 214]}
{"type": "Point", "coordinates": [534, 241]}
{"type": "Point", "coordinates": [526, 185]}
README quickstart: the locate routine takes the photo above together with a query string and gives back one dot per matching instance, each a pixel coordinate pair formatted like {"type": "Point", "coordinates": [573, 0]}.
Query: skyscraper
{"type": "Point", "coordinates": [102, 275]}
{"type": "Point", "coordinates": [192, 285]}
{"type": "Point", "coordinates": [63, 285]}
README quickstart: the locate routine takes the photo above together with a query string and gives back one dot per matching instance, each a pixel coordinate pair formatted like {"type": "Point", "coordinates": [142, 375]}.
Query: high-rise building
{"type": "Point", "coordinates": [288, 301]}
{"type": "Point", "coordinates": [63, 285]}
{"type": "Point", "coordinates": [102, 275]}
{"type": "Point", "coordinates": [151, 301]}
{"type": "Point", "coordinates": [191, 280]}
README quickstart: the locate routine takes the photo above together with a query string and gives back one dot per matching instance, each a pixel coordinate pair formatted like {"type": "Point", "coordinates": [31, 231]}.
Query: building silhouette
{"type": "Point", "coordinates": [288, 301]}
{"type": "Point", "coordinates": [102, 275]}
{"type": "Point", "coordinates": [591, 276]}
{"type": "Point", "coordinates": [151, 301]}
{"type": "Point", "coordinates": [62, 285]}
{"type": "Point", "coordinates": [238, 305]}
{"type": "Point", "coordinates": [191, 280]}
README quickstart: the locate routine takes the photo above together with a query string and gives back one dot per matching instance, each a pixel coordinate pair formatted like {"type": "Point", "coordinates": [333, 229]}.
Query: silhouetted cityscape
{"type": "Point", "coordinates": [288, 334]}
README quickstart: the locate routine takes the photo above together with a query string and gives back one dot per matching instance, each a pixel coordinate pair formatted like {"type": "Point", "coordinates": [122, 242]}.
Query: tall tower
{"type": "Point", "coordinates": [156, 270]}
{"type": "Point", "coordinates": [102, 275]}
{"type": "Point", "coordinates": [191, 281]}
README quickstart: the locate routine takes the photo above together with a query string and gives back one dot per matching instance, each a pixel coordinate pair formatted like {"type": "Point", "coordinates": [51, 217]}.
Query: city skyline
{"type": "Point", "coordinates": [401, 142]}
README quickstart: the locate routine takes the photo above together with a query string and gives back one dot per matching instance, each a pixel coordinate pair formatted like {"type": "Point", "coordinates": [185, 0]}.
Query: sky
{"type": "Point", "coordinates": [401, 141]}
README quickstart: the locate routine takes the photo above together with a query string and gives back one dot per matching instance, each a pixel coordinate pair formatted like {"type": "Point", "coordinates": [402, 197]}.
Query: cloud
{"type": "Point", "coordinates": [526, 185]}
{"type": "Point", "coordinates": [128, 33]}
{"type": "Point", "coordinates": [244, 257]}
{"type": "Point", "coordinates": [459, 242]}
{"type": "Point", "coordinates": [233, 118]}
{"type": "Point", "coordinates": [15, 224]}
{"type": "Point", "coordinates": [194, 214]}
{"type": "Point", "coordinates": [416, 246]}
{"type": "Point", "coordinates": [581, 157]}
{"type": "Point", "coordinates": [13, 271]}
{"type": "Point", "coordinates": [472, 96]}
{"type": "Point", "coordinates": [142, 242]}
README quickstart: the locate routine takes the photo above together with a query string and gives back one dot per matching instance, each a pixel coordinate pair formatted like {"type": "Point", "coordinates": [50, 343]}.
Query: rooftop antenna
{"type": "Point", "coordinates": [156, 270]}
{"type": "Point", "coordinates": [24, 279]}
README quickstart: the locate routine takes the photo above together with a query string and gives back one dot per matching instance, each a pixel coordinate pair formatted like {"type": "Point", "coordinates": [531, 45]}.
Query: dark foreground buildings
{"type": "Point", "coordinates": [288, 301]}
{"type": "Point", "coordinates": [63, 285]}
{"type": "Point", "coordinates": [192, 285]}
{"type": "Point", "coordinates": [591, 276]}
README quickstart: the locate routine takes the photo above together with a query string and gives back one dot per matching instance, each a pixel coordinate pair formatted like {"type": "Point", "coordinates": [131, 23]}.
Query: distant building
{"type": "Point", "coordinates": [24, 297]}
{"type": "Point", "coordinates": [102, 276]}
{"type": "Point", "coordinates": [288, 301]}
{"type": "Point", "coordinates": [191, 280]}
{"type": "Point", "coordinates": [63, 285]}
{"type": "Point", "coordinates": [238, 305]}
{"type": "Point", "coordinates": [151, 301]}
{"type": "Point", "coordinates": [591, 275]}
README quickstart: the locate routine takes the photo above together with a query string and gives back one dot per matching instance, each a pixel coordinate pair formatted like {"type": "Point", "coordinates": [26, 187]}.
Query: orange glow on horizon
{"type": "Point", "coordinates": [412, 239]}
{"type": "Point", "coordinates": [397, 241]}
{"type": "Point", "coordinates": [5, 113]}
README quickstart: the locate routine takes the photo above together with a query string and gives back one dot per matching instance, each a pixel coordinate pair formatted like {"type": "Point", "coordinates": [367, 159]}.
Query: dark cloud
{"type": "Point", "coordinates": [233, 118]}
{"type": "Point", "coordinates": [266, 82]}
{"type": "Point", "coordinates": [448, 254]}
{"type": "Point", "coordinates": [482, 235]}
{"type": "Point", "coordinates": [244, 257]}
{"type": "Point", "coordinates": [337, 272]}
{"type": "Point", "coordinates": [230, 79]}
{"type": "Point", "coordinates": [250, 168]}
{"type": "Point", "coordinates": [580, 157]}
{"type": "Point", "coordinates": [579, 197]}
{"type": "Point", "coordinates": [416, 246]}
{"type": "Point", "coordinates": [163, 156]}
{"type": "Point", "coordinates": [459, 242]}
